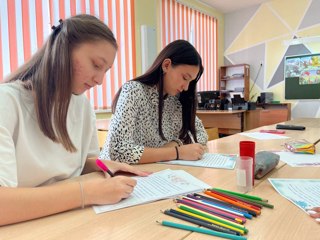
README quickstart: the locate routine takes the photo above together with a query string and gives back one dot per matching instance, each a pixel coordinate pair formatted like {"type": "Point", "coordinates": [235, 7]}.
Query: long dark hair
{"type": "Point", "coordinates": [180, 52]}
{"type": "Point", "coordinates": [49, 73]}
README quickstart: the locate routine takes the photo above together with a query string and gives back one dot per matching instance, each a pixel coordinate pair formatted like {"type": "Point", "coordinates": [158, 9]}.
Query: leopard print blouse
{"type": "Point", "coordinates": [135, 123]}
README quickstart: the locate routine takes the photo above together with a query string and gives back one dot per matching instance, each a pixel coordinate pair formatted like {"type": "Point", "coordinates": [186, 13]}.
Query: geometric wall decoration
{"type": "Point", "coordinates": [312, 16]}
{"type": "Point", "coordinates": [259, 36]}
{"type": "Point", "coordinates": [292, 50]}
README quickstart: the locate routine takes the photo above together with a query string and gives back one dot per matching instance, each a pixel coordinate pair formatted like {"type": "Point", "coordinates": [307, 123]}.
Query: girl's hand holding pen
{"type": "Point", "coordinates": [191, 152]}
{"type": "Point", "coordinates": [109, 189]}
{"type": "Point", "coordinates": [99, 191]}
{"type": "Point", "coordinates": [123, 167]}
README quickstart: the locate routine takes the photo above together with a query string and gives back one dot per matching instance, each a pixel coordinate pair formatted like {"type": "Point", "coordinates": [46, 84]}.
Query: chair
{"type": "Point", "coordinates": [212, 133]}
{"type": "Point", "coordinates": [102, 135]}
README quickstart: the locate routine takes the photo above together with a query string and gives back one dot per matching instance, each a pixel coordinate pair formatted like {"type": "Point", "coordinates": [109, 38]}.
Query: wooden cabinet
{"type": "Point", "coordinates": [235, 79]}
{"type": "Point", "coordinates": [267, 114]}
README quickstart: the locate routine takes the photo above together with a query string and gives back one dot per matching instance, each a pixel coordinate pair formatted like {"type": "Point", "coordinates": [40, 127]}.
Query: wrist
{"type": "Point", "coordinates": [177, 152]}
{"type": "Point", "coordinates": [178, 142]}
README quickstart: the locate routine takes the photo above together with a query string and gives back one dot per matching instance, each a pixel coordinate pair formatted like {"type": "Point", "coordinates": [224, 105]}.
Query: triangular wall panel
{"type": "Point", "coordinates": [263, 26]}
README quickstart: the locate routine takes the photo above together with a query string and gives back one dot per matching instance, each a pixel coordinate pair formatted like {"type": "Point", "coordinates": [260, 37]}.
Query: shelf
{"type": "Point", "coordinates": [227, 81]}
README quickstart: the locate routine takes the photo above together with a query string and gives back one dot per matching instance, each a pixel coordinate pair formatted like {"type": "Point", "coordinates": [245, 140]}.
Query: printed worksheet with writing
{"type": "Point", "coordinates": [160, 185]}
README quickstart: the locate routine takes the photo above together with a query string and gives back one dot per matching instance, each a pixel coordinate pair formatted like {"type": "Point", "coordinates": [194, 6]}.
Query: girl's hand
{"type": "Point", "coordinates": [315, 213]}
{"type": "Point", "coordinates": [191, 152]}
{"type": "Point", "coordinates": [98, 191]}
{"type": "Point", "coordinates": [116, 166]}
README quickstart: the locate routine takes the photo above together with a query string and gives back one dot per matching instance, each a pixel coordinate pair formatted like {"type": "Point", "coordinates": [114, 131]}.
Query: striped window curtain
{"type": "Point", "coordinates": [26, 24]}
{"type": "Point", "coordinates": [182, 22]}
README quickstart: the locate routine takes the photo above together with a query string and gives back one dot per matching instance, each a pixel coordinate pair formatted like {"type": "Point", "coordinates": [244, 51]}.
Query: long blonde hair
{"type": "Point", "coordinates": [49, 73]}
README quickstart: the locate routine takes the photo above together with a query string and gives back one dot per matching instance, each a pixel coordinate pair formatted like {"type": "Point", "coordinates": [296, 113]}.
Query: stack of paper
{"type": "Point", "coordinates": [300, 146]}
{"type": "Point", "coordinates": [160, 185]}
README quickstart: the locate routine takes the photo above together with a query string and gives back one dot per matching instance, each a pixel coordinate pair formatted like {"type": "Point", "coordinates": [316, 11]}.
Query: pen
{"type": "Point", "coordinates": [103, 167]}
{"type": "Point", "coordinates": [191, 137]}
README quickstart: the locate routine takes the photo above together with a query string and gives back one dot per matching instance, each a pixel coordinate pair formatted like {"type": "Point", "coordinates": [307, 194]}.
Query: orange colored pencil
{"type": "Point", "coordinates": [235, 199]}
{"type": "Point", "coordinates": [258, 212]}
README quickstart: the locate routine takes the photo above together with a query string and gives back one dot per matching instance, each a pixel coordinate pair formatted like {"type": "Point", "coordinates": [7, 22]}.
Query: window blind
{"type": "Point", "coordinates": [182, 22]}
{"type": "Point", "coordinates": [26, 24]}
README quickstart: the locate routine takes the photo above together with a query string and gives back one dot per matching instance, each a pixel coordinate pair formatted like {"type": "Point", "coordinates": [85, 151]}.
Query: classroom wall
{"type": "Point", "coordinates": [147, 12]}
{"type": "Point", "coordinates": [256, 35]}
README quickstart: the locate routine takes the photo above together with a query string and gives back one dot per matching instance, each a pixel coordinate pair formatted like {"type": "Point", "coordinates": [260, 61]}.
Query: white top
{"type": "Point", "coordinates": [135, 123]}
{"type": "Point", "coordinates": [27, 157]}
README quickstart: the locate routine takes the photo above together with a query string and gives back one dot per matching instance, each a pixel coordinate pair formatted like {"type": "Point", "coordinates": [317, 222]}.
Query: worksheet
{"type": "Point", "coordinates": [300, 159]}
{"type": "Point", "coordinates": [210, 160]}
{"type": "Point", "coordinates": [160, 185]}
{"type": "Point", "coordinates": [304, 193]}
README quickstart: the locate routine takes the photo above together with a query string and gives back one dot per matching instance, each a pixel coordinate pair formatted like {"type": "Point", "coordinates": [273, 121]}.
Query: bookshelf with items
{"type": "Point", "coordinates": [235, 79]}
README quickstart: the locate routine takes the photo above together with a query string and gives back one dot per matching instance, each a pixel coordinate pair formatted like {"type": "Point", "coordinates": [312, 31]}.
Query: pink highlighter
{"type": "Point", "coordinates": [103, 167]}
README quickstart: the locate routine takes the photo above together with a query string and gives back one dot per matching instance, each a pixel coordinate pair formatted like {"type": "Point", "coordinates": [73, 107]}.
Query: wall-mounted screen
{"type": "Point", "coordinates": [302, 76]}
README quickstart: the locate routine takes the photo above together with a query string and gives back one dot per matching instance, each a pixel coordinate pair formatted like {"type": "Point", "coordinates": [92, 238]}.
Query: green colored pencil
{"type": "Point", "coordinates": [201, 230]}
{"type": "Point", "coordinates": [241, 195]}
{"type": "Point", "coordinates": [261, 203]}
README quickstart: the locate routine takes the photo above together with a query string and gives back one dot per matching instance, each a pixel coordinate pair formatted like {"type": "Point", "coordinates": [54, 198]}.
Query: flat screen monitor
{"type": "Point", "coordinates": [205, 97]}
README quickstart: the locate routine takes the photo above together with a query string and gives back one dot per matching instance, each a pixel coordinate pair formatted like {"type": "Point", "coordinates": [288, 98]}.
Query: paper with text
{"type": "Point", "coordinates": [300, 159]}
{"type": "Point", "coordinates": [160, 185]}
{"type": "Point", "coordinates": [303, 193]}
{"type": "Point", "coordinates": [210, 160]}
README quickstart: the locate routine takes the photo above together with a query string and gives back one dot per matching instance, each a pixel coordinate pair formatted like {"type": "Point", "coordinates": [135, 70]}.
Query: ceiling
{"type": "Point", "coordinates": [227, 6]}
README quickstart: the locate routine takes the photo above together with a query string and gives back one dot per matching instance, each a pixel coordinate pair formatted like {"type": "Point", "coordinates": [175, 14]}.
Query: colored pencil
{"type": "Point", "coordinates": [225, 208]}
{"type": "Point", "coordinates": [232, 202]}
{"type": "Point", "coordinates": [200, 222]}
{"type": "Point", "coordinates": [235, 209]}
{"type": "Point", "coordinates": [233, 198]}
{"type": "Point", "coordinates": [242, 195]}
{"type": "Point", "coordinates": [206, 220]}
{"type": "Point", "coordinates": [211, 221]}
{"type": "Point", "coordinates": [212, 217]}
{"type": "Point", "coordinates": [201, 230]}
{"type": "Point", "coordinates": [207, 210]}
{"type": "Point", "coordinates": [316, 142]}
{"type": "Point", "coordinates": [232, 206]}
{"type": "Point", "coordinates": [215, 210]}
{"type": "Point", "coordinates": [262, 203]}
